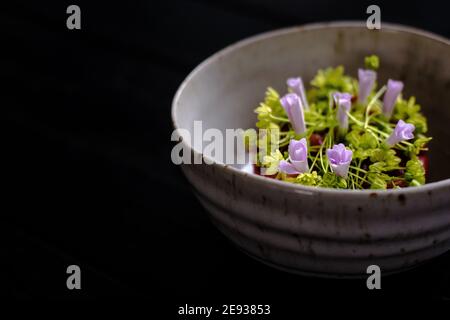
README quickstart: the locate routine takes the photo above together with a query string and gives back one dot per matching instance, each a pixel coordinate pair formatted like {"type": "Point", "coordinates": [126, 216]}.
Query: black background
{"type": "Point", "coordinates": [88, 175]}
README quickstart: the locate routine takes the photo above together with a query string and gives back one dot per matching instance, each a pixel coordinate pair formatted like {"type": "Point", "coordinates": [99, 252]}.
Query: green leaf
{"type": "Point", "coordinates": [362, 154]}
{"type": "Point", "coordinates": [415, 172]}
{"type": "Point", "coordinates": [270, 162]}
{"type": "Point", "coordinates": [376, 176]}
{"type": "Point", "coordinates": [359, 139]}
{"type": "Point", "coordinates": [330, 180]}
{"type": "Point", "coordinates": [386, 156]}
{"type": "Point", "coordinates": [377, 180]}
{"type": "Point", "coordinates": [331, 80]}
{"type": "Point", "coordinates": [409, 112]}
{"type": "Point", "coordinates": [372, 62]}
{"type": "Point", "coordinates": [378, 167]}
{"type": "Point", "coordinates": [270, 107]}
{"type": "Point", "coordinates": [309, 179]}
{"type": "Point", "coordinates": [419, 145]}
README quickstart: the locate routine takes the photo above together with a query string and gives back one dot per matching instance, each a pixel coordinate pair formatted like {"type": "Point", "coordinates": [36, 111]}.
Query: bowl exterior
{"type": "Point", "coordinates": [324, 233]}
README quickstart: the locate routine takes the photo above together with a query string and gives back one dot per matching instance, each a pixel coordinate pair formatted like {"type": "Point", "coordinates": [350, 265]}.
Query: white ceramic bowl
{"type": "Point", "coordinates": [322, 231]}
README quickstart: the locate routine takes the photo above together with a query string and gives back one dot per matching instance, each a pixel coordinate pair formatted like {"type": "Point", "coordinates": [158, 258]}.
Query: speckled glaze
{"type": "Point", "coordinates": [319, 231]}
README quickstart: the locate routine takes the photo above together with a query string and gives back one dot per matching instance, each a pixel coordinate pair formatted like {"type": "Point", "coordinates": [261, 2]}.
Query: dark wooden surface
{"type": "Point", "coordinates": [88, 174]}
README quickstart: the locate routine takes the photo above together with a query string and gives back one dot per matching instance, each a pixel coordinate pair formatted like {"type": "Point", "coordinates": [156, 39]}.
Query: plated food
{"type": "Point", "coordinates": [323, 231]}
{"type": "Point", "coordinates": [344, 132]}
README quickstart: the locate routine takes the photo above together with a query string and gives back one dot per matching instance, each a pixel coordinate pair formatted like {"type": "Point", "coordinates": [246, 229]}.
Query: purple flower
{"type": "Point", "coordinates": [390, 97]}
{"type": "Point", "coordinates": [340, 158]}
{"type": "Point", "coordinates": [294, 109]}
{"type": "Point", "coordinates": [366, 81]}
{"type": "Point", "coordinates": [298, 157]}
{"type": "Point", "coordinates": [343, 102]}
{"type": "Point", "coordinates": [403, 131]}
{"type": "Point", "coordinates": [296, 86]}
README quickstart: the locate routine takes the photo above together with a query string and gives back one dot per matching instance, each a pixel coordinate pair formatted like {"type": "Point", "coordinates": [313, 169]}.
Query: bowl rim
{"type": "Point", "coordinates": [292, 187]}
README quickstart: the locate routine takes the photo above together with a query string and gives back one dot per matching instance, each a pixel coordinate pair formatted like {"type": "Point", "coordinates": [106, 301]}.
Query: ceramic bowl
{"type": "Point", "coordinates": [321, 231]}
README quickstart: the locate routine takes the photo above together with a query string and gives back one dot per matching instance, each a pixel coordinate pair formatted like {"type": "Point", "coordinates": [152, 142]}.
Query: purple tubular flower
{"type": "Point", "coordinates": [403, 131]}
{"type": "Point", "coordinates": [296, 86]}
{"type": "Point", "coordinates": [294, 109]}
{"type": "Point", "coordinates": [298, 157]}
{"type": "Point", "coordinates": [340, 158]}
{"type": "Point", "coordinates": [394, 88]}
{"type": "Point", "coordinates": [366, 81]}
{"type": "Point", "coordinates": [343, 102]}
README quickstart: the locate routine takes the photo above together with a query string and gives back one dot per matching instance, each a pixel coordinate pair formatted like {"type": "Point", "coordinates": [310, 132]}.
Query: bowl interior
{"type": "Point", "coordinates": [224, 90]}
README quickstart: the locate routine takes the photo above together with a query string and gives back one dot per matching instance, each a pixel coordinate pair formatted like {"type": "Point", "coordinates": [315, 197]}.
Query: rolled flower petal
{"type": "Point", "coordinates": [403, 131]}
{"type": "Point", "coordinates": [296, 86]}
{"type": "Point", "coordinates": [292, 104]}
{"type": "Point", "coordinates": [394, 88]}
{"type": "Point", "coordinates": [287, 167]}
{"type": "Point", "coordinates": [343, 103]}
{"type": "Point", "coordinates": [366, 82]}
{"type": "Point", "coordinates": [298, 154]}
{"type": "Point", "coordinates": [298, 158]}
{"type": "Point", "coordinates": [339, 158]}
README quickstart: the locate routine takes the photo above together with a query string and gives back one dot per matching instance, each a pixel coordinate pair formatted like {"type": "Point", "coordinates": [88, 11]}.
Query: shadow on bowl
{"type": "Point", "coordinates": [319, 231]}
